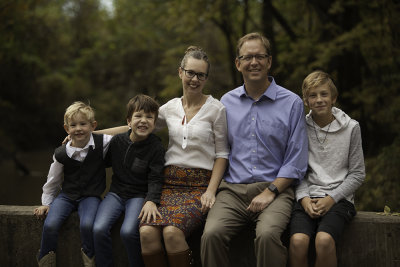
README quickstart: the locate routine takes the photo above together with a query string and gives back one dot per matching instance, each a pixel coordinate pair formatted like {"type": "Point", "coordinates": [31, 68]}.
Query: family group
{"type": "Point", "coordinates": [252, 158]}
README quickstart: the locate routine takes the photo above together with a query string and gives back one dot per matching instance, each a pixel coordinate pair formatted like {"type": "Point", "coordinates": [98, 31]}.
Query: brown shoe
{"type": "Point", "coordinates": [180, 259]}
{"type": "Point", "coordinates": [155, 260]}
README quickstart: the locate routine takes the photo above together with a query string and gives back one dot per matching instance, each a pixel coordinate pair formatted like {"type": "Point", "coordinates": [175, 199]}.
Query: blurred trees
{"type": "Point", "coordinates": [54, 52]}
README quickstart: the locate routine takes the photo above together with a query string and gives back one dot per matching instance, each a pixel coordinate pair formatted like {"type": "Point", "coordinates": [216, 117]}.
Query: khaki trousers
{"type": "Point", "coordinates": [229, 216]}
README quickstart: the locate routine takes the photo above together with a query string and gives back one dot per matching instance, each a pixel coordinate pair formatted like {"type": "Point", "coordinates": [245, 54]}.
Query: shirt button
{"type": "Point", "coordinates": [254, 167]}
{"type": "Point", "coordinates": [252, 118]}
{"type": "Point", "coordinates": [254, 151]}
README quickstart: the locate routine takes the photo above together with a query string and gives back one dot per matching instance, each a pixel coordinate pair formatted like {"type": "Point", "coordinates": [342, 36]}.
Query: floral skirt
{"type": "Point", "coordinates": [180, 204]}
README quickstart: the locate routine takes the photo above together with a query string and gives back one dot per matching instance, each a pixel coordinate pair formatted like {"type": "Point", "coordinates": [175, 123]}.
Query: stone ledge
{"type": "Point", "coordinates": [370, 240]}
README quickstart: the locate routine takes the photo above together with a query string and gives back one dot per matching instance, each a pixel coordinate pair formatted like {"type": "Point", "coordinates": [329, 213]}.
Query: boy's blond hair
{"type": "Point", "coordinates": [79, 107]}
{"type": "Point", "coordinates": [315, 79]}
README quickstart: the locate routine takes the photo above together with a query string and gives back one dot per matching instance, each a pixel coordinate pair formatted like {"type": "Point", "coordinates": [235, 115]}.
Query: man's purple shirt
{"type": "Point", "coordinates": [267, 138]}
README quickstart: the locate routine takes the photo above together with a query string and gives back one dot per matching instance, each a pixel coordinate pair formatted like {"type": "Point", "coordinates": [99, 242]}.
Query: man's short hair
{"type": "Point", "coordinates": [254, 36]}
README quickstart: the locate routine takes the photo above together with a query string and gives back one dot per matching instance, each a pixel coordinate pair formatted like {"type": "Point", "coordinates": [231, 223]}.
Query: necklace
{"type": "Point", "coordinates": [316, 134]}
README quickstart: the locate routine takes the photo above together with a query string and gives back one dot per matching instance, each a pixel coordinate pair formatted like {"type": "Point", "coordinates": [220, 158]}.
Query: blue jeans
{"type": "Point", "coordinates": [59, 211]}
{"type": "Point", "coordinates": [110, 210]}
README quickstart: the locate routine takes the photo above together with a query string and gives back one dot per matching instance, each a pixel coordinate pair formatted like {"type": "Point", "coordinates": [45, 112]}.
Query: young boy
{"type": "Point", "coordinates": [79, 170]}
{"type": "Point", "coordinates": [137, 159]}
{"type": "Point", "coordinates": [325, 198]}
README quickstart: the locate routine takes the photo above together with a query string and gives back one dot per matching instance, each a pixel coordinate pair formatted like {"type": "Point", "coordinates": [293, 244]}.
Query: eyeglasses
{"type": "Point", "coordinates": [258, 57]}
{"type": "Point", "coordinates": [190, 74]}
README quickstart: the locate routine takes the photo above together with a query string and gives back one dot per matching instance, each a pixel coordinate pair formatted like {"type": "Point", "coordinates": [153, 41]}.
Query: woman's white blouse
{"type": "Point", "coordinates": [197, 143]}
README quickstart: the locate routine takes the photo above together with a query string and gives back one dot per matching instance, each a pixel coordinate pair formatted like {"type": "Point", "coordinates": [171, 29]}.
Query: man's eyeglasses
{"type": "Point", "coordinates": [190, 74]}
{"type": "Point", "coordinates": [258, 57]}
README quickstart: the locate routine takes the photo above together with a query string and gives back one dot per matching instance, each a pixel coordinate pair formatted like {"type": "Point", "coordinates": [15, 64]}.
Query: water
{"type": "Point", "coordinates": [17, 188]}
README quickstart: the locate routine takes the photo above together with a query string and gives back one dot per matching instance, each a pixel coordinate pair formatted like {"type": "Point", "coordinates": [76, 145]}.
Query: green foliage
{"type": "Point", "coordinates": [387, 212]}
{"type": "Point", "coordinates": [381, 187]}
{"type": "Point", "coordinates": [54, 52]}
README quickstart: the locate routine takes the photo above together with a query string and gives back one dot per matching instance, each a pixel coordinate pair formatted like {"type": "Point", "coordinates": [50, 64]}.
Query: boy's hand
{"type": "Point", "coordinates": [323, 205]}
{"type": "Point", "coordinates": [149, 211]}
{"type": "Point", "coordinates": [207, 201]}
{"type": "Point", "coordinates": [41, 211]}
{"type": "Point", "coordinates": [310, 207]}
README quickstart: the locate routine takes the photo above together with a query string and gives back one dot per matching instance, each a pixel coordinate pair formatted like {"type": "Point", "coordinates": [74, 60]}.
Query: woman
{"type": "Point", "coordinates": [196, 159]}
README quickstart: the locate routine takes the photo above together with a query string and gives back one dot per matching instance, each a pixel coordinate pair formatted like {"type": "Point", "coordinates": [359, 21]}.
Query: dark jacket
{"type": "Point", "coordinates": [137, 167]}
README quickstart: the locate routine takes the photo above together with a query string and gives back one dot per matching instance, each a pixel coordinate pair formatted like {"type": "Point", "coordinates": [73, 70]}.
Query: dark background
{"type": "Point", "coordinates": [54, 52]}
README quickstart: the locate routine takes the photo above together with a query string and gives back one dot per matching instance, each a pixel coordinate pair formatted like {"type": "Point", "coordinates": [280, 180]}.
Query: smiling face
{"type": "Point", "coordinates": [142, 124]}
{"type": "Point", "coordinates": [79, 128]}
{"type": "Point", "coordinates": [320, 101]}
{"type": "Point", "coordinates": [254, 70]}
{"type": "Point", "coordinates": [193, 85]}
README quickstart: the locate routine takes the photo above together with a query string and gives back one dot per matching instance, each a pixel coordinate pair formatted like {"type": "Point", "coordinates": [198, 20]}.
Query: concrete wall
{"type": "Point", "coordinates": [370, 240]}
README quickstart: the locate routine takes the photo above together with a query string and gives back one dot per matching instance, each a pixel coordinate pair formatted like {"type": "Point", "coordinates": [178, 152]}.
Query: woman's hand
{"type": "Point", "coordinates": [207, 201]}
{"type": "Point", "coordinates": [41, 211]}
{"type": "Point", "coordinates": [66, 139]}
{"type": "Point", "coordinates": [148, 212]}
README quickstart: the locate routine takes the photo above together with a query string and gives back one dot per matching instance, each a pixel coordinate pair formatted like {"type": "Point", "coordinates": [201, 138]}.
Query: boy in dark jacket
{"type": "Point", "coordinates": [137, 159]}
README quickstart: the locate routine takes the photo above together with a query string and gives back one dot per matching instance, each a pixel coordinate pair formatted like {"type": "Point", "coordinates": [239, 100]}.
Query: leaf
{"type": "Point", "coordinates": [386, 210]}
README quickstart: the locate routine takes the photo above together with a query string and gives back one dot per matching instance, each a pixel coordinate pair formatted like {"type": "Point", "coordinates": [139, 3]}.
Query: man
{"type": "Point", "coordinates": [268, 141]}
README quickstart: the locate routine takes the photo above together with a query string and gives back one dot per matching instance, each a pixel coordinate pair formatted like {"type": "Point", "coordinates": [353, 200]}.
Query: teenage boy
{"type": "Point", "coordinates": [79, 171]}
{"type": "Point", "coordinates": [325, 198]}
{"type": "Point", "coordinates": [137, 159]}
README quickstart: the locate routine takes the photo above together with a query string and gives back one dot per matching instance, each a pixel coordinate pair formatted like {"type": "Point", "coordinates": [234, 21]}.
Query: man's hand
{"type": "Point", "coordinates": [261, 201]}
{"type": "Point", "coordinates": [323, 205]}
{"type": "Point", "coordinates": [148, 212]}
{"type": "Point", "coordinates": [41, 211]}
{"type": "Point", "coordinates": [309, 207]}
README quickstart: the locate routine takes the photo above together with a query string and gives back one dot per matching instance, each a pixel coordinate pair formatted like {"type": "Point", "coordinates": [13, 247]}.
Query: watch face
{"type": "Point", "coordinates": [273, 189]}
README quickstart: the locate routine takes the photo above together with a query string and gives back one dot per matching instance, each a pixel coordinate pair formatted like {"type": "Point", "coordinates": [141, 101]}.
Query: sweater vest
{"type": "Point", "coordinates": [87, 178]}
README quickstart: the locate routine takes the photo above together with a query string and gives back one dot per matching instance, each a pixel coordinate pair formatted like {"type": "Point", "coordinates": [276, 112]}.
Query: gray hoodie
{"type": "Point", "coordinates": [335, 167]}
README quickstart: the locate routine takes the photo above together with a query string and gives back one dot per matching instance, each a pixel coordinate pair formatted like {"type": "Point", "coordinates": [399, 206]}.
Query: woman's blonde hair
{"type": "Point", "coordinates": [197, 53]}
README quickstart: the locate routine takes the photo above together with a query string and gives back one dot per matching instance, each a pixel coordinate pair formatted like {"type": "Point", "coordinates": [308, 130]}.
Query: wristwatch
{"type": "Point", "coordinates": [273, 189]}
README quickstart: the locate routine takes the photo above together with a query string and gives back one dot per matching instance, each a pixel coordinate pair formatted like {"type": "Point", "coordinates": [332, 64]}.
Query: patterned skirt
{"type": "Point", "coordinates": [180, 198]}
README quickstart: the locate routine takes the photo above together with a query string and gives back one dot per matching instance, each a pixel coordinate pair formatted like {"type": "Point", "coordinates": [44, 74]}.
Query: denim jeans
{"type": "Point", "coordinates": [59, 211]}
{"type": "Point", "coordinates": [109, 211]}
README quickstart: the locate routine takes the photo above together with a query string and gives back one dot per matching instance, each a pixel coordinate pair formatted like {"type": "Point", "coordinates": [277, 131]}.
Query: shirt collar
{"type": "Point", "coordinates": [71, 150]}
{"type": "Point", "coordinates": [270, 92]}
